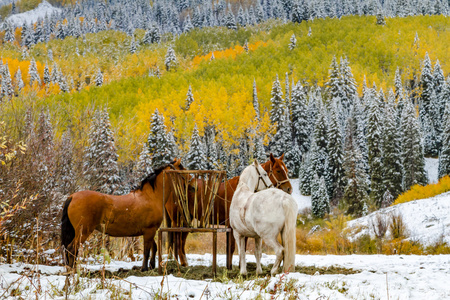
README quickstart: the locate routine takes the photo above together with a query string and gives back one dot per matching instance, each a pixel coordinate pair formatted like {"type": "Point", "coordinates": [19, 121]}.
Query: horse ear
{"type": "Point", "coordinates": [281, 157]}
{"type": "Point", "coordinates": [272, 158]}
{"type": "Point", "coordinates": [178, 161]}
{"type": "Point", "coordinates": [256, 162]}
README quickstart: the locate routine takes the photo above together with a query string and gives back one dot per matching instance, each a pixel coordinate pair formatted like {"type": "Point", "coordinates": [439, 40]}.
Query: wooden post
{"type": "Point", "coordinates": [160, 252]}
{"type": "Point", "coordinates": [214, 263]}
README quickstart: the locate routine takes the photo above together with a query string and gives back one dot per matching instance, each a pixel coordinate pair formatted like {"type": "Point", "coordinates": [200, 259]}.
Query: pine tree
{"type": "Point", "coordinates": [230, 21]}
{"type": "Point", "coordinates": [160, 148]}
{"type": "Point", "coordinates": [355, 193]}
{"type": "Point", "coordinates": [282, 137]}
{"type": "Point", "coordinates": [144, 164]}
{"type": "Point", "coordinates": [300, 118]}
{"type": "Point", "coordinates": [196, 157]}
{"type": "Point", "coordinates": [188, 24]}
{"type": "Point", "coordinates": [426, 84]}
{"type": "Point", "coordinates": [333, 85]}
{"type": "Point", "coordinates": [211, 148]}
{"type": "Point", "coordinates": [374, 131]}
{"type": "Point", "coordinates": [293, 42]}
{"type": "Point", "coordinates": [46, 75]}
{"type": "Point", "coordinates": [6, 89]}
{"type": "Point", "coordinates": [319, 147]}
{"type": "Point", "coordinates": [336, 156]}
{"type": "Point", "coordinates": [293, 159]}
{"type": "Point", "coordinates": [392, 168]}
{"type": "Point", "coordinates": [444, 156]}
{"type": "Point", "coordinates": [9, 33]}
{"type": "Point", "coordinates": [189, 99]}
{"type": "Point", "coordinates": [33, 73]}
{"type": "Point", "coordinates": [348, 86]}
{"type": "Point", "coordinates": [98, 78]}
{"type": "Point", "coordinates": [18, 80]}
{"type": "Point", "coordinates": [277, 103]}
{"type": "Point", "coordinates": [255, 101]}
{"type": "Point", "coordinates": [320, 203]}
{"type": "Point", "coordinates": [306, 174]}
{"type": "Point", "coordinates": [412, 149]}
{"type": "Point", "coordinates": [170, 61]}
{"type": "Point", "coordinates": [380, 18]}
{"type": "Point", "coordinates": [66, 175]}
{"type": "Point", "coordinates": [133, 46]}
{"type": "Point", "coordinates": [287, 92]}
{"type": "Point", "coordinates": [100, 159]}
{"type": "Point", "coordinates": [298, 12]}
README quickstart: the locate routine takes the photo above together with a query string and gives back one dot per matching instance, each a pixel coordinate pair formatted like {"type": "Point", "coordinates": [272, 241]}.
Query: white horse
{"type": "Point", "coordinates": [261, 212]}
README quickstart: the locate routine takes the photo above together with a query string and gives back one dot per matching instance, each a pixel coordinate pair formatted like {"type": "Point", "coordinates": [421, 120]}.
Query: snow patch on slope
{"type": "Point", "coordinates": [302, 200]}
{"type": "Point", "coordinates": [431, 166]}
{"type": "Point", "coordinates": [31, 16]}
{"type": "Point", "coordinates": [427, 220]}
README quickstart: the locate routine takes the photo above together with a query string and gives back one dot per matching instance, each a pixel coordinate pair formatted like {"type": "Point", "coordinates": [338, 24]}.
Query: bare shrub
{"type": "Point", "coordinates": [397, 226]}
{"type": "Point", "coordinates": [379, 224]}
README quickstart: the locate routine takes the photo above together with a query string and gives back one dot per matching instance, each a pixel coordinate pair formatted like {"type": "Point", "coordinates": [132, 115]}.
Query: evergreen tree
{"type": "Point", "coordinates": [196, 157]}
{"type": "Point", "coordinates": [306, 174]}
{"type": "Point", "coordinates": [380, 18]}
{"type": "Point", "coordinates": [426, 84]}
{"type": "Point", "coordinates": [170, 61]}
{"type": "Point", "coordinates": [336, 156]}
{"type": "Point", "coordinates": [320, 202]}
{"type": "Point", "coordinates": [211, 148]}
{"type": "Point", "coordinates": [133, 46]}
{"type": "Point", "coordinates": [143, 166]}
{"type": "Point", "coordinates": [293, 159]}
{"type": "Point", "coordinates": [298, 12]}
{"type": "Point", "coordinates": [46, 75]}
{"type": "Point", "coordinates": [9, 33]}
{"type": "Point", "coordinates": [66, 175]}
{"type": "Point", "coordinates": [333, 85]}
{"type": "Point", "coordinates": [100, 159]}
{"type": "Point", "coordinates": [98, 78]}
{"type": "Point", "coordinates": [392, 168]}
{"type": "Point", "coordinates": [374, 131]}
{"type": "Point", "coordinates": [444, 156]}
{"type": "Point", "coordinates": [348, 86]}
{"type": "Point", "coordinates": [230, 21]}
{"type": "Point", "coordinates": [319, 146]}
{"type": "Point", "coordinates": [293, 42]}
{"type": "Point", "coordinates": [277, 103]}
{"type": "Point", "coordinates": [299, 117]}
{"type": "Point", "coordinates": [18, 80]}
{"type": "Point", "coordinates": [355, 193]}
{"type": "Point", "coordinates": [255, 101]}
{"type": "Point", "coordinates": [27, 35]}
{"type": "Point", "coordinates": [33, 73]}
{"type": "Point", "coordinates": [159, 146]}
{"type": "Point", "coordinates": [188, 24]}
{"type": "Point", "coordinates": [189, 99]}
{"type": "Point", "coordinates": [282, 137]}
{"type": "Point", "coordinates": [412, 149]}
{"type": "Point", "coordinates": [6, 89]}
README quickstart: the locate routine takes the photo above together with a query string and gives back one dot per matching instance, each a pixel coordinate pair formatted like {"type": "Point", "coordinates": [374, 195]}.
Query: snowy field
{"type": "Point", "coordinates": [377, 277]}
{"type": "Point", "coordinates": [302, 201]}
{"type": "Point", "coordinates": [31, 16]}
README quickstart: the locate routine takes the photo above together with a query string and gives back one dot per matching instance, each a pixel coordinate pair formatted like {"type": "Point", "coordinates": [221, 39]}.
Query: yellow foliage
{"type": "Point", "coordinates": [427, 191]}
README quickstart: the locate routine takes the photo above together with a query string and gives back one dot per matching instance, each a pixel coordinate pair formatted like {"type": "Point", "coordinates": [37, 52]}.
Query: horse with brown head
{"type": "Point", "coordinates": [137, 213]}
{"type": "Point", "coordinates": [278, 174]}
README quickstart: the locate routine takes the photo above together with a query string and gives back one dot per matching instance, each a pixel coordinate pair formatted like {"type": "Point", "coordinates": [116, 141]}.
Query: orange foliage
{"type": "Point", "coordinates": [427, 191]}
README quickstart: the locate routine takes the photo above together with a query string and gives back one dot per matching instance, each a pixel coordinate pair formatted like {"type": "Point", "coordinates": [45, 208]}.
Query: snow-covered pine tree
{"type": "Point", "coordinates": [9, 33]}
{"type": "Point", "coordinates": [392, 168]}
{"type": "Point", "coordinates": [46, 75]}
{"type": "Point", "coordinates": [283, 136]}
{"type": "Point", "coordinates": [333, 85]}
{"type": "Point", "coordinates": [18, 80]}
{"type": "Point", "coordinates": [355, 193]}
{"type": "Point", "coordinates": [143, 166]}
{"type": "Point", "coordinates": [336, 156]}
{"type": "Point", "coordinates": [287, 93]}
{"type": "Point", "coordinates": [293, 158]}
{"type": "Point", "coordinates": [189, 99]}
{"type": "Point", "coordinates": [319, 146]}
{"type": "Point", "coordinates": [196, 157]}
{"type": "Point", "coordinates": [160, 149]}
{"type": "Point", "coordinates": [188, 24]}
{"type": "Point", "coordinates": [278, 105]}
{"type": "Point", "coordinates": [211, 148]}
{"type": "Point", "coordinates": [348, 86]}
{"type": "Point", "coordinates": [230, 21]}
{"type": "Point", "coordinates": [299, 117]}
{"type": "Point", "coordinates": [444, 156]}
{"type": "Point", "coordinates": [320, 202]}
{"type": "Point", "coordinates": [255, 101]}
{"type": "Point", "coordinates": [7, 88]}
{"type": "Point", "coordinates": [429, 134]}
{"type": "Point", "coordinates": [133, 46]}
{"type": "Point", "coordinates": [306, 173]}
{"type": "Point", "coordinates": [66, 175]}
{"type": "Point", "coordinates": [298, 12]}
{"type": "Point", "coordinates": [27, 35]}
{"type": "Point", "coordinates": [412, 149]}
{"type": "Point", "coordinates": [170, 60]}
{"type": "Point", "coordinates": [33, 73]}
{"type": "Point", "coordinates": [426, 84]}
{"type": "Point", "coordinates": [380, 18]}
{"type": "Point", "coordinates": [293, 42]}
{"type": "Point", "coordinates": [100, 158]}
{"type": "Point", "coordinates": [98, 78]}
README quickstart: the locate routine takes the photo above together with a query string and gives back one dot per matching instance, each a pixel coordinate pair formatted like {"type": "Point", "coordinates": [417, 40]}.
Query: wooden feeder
{"type": "Point", "coordinates": [194, 211]}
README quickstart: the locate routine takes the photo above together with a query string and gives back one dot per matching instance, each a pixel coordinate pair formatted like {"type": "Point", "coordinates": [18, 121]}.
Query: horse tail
{"type": "Point", "coordinates": [67, 230]}
{"type": "Point", "coordinates": [288, 234]}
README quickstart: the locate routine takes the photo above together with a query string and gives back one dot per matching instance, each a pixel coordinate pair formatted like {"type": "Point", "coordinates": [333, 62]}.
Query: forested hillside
{"type": "Point", "coordinates": [354, 94]}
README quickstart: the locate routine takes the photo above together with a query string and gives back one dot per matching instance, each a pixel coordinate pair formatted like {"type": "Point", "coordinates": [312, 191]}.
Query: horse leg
{"type": "Point", "coordinates": [153, 256]}
{"type": "Point", "coordinates": [279, 252]}
{"type": "Point", "coordinates": [81, 235]}
{"type": "Point", "coordinates": [149, 235]}
{"type": "Point", "coordinates": [258, 245]}
{"type": "Point", "coordinates": [241, 247]}
{"type": "Point", "coordinates": [182, 249]}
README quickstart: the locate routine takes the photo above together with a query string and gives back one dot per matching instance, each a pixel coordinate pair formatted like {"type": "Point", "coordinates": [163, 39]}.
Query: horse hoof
{"type": "Point", "coordinates": [259, 272]}
{"type": "Point", "coordinates": [144, 269]}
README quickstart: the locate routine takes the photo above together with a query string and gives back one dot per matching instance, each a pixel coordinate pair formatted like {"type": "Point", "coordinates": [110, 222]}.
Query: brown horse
{"type": "Point", "coordinates": [278, 174]}
{"type": "Point", "coordinates": [137, 213]}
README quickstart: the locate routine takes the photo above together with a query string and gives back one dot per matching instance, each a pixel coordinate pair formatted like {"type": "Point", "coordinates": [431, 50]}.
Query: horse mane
{"type": "Point", "coordinates": [151, 178]}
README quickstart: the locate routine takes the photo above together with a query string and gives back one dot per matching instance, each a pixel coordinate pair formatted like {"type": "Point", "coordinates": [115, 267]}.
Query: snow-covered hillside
{"type": "Point", "coordinates": [31, 16]}
{"type": "Point", "coordinates": [427, 220]}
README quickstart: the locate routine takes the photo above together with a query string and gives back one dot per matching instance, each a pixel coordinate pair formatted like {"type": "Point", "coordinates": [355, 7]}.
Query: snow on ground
{"type": "Point", "coordinates": [302, 201]}
{"type": "Point", "coordinates": [31, 16]}
{"type": "Point", "coordinates": [431, 166]}
{"type": "Point", "coordinates": [427, 220]}
{"type": "Point", "coordinates": [378, 277]}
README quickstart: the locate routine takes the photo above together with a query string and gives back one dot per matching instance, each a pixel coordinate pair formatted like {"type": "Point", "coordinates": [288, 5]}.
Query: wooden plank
{"type": "Point", "coordinates": [214, 263]}
{"type": "Point", "coordinates": [185, 229]}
